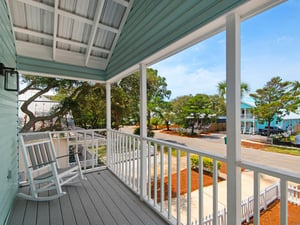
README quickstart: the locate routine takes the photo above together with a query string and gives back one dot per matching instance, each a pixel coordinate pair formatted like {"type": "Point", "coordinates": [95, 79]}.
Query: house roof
{"type": "Point", "coordinates": [105, 40]}
{"type": "Point", "coordinates": [291, 116]}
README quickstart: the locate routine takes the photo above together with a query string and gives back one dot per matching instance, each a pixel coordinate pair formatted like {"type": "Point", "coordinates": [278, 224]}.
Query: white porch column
{"type": "Point", "coordinates": [245, 121]}
{"type": "Point", "coordinates": [108, 122]}
{"type": "Point", "coordinates": [233, 123]}
{"type": "Point", "coordinates": [143, 128]}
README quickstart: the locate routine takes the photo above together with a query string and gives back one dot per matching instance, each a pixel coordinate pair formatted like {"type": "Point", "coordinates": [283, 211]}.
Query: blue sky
{"type": "Point", "coordinates": [270, 46]}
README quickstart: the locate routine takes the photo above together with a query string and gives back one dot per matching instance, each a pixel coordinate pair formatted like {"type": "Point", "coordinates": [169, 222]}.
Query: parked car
{"type": "Point", "coordinates": [273, 130]}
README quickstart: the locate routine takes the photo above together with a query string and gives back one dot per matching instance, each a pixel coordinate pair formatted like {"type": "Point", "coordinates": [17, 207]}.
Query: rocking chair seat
{"type": "Point", "coordinates": [59, 171]}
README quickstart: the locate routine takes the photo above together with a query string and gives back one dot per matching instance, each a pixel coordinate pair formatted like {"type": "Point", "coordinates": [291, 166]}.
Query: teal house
{"type": "Point", "coordinates": [250, 124]}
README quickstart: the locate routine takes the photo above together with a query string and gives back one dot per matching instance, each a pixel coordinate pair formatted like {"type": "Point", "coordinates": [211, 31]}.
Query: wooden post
{"type": "Point", "coordinates": [233, 100]}
{"type": "Point", "coordinates": [108, 123]}
{"type": "Point", "coordinates": [143, 129]}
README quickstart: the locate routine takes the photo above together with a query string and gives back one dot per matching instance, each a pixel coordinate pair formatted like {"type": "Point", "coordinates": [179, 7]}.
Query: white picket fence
{"type": "Point", "coordinates": [267, 196]}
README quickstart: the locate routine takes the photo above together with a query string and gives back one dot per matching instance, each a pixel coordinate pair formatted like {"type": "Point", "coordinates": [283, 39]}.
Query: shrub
{"type": "Point", "coordinates": [207, 163]}
{"type": "Point", "coordinates": [149, 133]}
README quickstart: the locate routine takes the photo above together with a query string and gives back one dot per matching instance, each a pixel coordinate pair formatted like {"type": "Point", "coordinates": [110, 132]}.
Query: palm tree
{"type": "Point", "coordinates": [222, 89]}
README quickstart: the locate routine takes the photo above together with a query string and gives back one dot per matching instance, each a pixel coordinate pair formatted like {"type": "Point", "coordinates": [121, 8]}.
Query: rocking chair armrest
{"type": "Point", "coordinates": [62, 156]}
{"type": "Point", "coordinates": [42, 164]}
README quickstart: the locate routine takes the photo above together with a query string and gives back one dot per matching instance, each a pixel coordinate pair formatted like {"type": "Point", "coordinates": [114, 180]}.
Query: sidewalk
{"type": "Point", "coordinates": [247, 191]}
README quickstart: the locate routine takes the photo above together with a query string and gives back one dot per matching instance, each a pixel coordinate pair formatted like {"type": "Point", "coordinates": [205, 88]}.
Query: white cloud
{"type": "Point", "coordinates": [184, 80]}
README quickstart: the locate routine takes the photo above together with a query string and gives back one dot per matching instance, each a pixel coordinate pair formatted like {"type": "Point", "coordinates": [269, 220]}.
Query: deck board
{"type": "Point", "coordinates": [115, 197]}
{"type": "Point", "coordinates": [30, 213]}
{"type": "Point", "coordinates": [102, 199]}
{"type": "Point", "coordinates": [111, 206]}
{"type": "Point", "coordinates": [55, 216]}
{"type": "Point", "coordinates": [103, 212]}
{"type": "Point", "coordinates": [148, 216]}
{"type": "Point", "coordinates": [17, 215]}
{"type": "Point", "coordinates": [68, 216]}
{"type": "Point", "coordinates": [43, 212]}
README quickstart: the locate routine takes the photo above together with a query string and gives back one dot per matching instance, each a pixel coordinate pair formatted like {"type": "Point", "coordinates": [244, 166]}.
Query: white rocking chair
{"type": "Point", "coordinates": [42, 167]}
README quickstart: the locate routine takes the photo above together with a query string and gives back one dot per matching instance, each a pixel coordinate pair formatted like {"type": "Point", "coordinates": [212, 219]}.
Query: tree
{"type": "Point", "coordinates": [178, 104]}
{"type": "Point", "coordinates": [222, 86]}
{"type": "Point", "coordinates": [44, 84]}
{"type": "Point", "coordinates": [157, 93]}
{"type": "Point", "coordinates": [88, 108]}
{"type": "Point", "coordinates": [278, 98]}
{"type": "Point", "coordinates": [167, 114]}
{"type": "Point", "coordinates": [222, 89]}
{"type": "Point", "coordinates": [119, 101]}
{"type": "Point", "coordinates": [198, 106]}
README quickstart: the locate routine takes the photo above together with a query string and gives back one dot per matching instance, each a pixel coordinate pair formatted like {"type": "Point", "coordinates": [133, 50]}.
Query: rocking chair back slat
{"type": "Point", "coordinates": [37, 155]}
{"type": "Point", "coordinates": [32, 157]}
{"type": "Point", "coordinates": [43, 154]}
{"type": "Point", "coordinates": [48, 152]}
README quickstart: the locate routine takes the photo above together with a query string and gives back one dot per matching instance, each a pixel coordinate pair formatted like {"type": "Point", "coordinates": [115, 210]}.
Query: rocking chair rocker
{"type": "Point", "coordinates": [43, 169]}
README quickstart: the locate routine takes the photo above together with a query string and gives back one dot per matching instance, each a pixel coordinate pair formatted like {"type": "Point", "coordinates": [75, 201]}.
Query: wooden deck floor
{"type": "Point", "coordinates": [103, 199]}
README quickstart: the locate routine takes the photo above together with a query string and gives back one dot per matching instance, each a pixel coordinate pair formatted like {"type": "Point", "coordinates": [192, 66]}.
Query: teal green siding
{"type": "Point", "coordinates": [153, 25]}
{"type": "Point", "coordinates": [8, 120]}
{"type": "Point", "coordinates": [56, 68]}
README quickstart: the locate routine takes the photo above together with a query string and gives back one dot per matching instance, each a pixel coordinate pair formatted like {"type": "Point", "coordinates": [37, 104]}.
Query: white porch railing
{"type": "Point", "coordinates": [87, 142]}
{"type": "Point", "coordinates": [164, 159]}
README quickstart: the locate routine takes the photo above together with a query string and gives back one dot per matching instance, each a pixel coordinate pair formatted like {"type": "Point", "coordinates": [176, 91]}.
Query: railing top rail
{"type": "Point", "coordinates": [64, 131]}
{"type": "Point", "coordinates": [282, 174]}
{"type": "Point", "coordinates": [187, 149]}
{"type": "Point", "coordinates": [124, 133]}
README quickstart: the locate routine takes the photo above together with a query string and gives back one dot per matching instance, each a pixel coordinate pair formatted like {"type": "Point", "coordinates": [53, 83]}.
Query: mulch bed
{"type": "Point", "coordinates": [207, 181]}
{"type": "Point", "coordinates": [272, 215]}
{"type": "Point", "coordinates": [172, 132]}
{"type": "Point", "coordinates": [252, 145]}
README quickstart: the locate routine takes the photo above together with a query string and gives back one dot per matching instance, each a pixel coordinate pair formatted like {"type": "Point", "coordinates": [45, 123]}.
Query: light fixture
{"type": "Point", "coordinates": [11, 78]}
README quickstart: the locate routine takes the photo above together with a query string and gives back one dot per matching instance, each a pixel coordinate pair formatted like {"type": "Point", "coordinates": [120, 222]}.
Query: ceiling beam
{"type": "Point", "coordinates": [33, 33]}
{"type": "Point", "coordinates": [38, 5]}
{"type": "Point", "coordinates": [76, 17]}
{"type": "Point", "coordinates": [55, 15]}
{"type": "Point", "coordinates": [66, 41]}
{"type": "Point", "coordinates": [105, 27]}
{"type": "Point", "coordinates": [45, 52]}
{"type": "Point", "coordinates": [68, 14]}
{"type": "Point", "coordinates": [94, 29]}
{"type": "Point", "coordinates": [122, 2]}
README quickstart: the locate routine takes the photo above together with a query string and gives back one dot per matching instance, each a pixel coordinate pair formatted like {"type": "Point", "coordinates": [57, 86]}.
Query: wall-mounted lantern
{"type": "Point", "coordinates": [11, 78]}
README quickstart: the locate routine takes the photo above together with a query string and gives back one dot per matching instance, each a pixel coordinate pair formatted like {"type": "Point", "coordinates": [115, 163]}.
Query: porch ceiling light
{"type": "Point", "coordinates": [11, 78]}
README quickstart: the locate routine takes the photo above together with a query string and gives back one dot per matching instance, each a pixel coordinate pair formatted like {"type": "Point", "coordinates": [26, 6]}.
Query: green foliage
{"type": "Point", "coordinates": [278, 98]}
{"type": "Point", "coordinates": [157, 93]}
{"type": "Point", "coordinates": [221, 105]}
{"type": "Point", "coordinates": [196, 108]}
{"type": "Point", "coordinates": [201, 109]}
{"type": "Point", "coordinates": [222, 89]}
{"type": "Point", "coordinates": [149, 133]}
{"type": "Point", "coordinates": [43, 85]}
{"type": "Point", "coordinates": [178, 104]}
{"type": "Point", "coordinates": [207, 163]}
{"type": "Point", "coordinates": [155, 121]}
{"type": "Point", "coordinates": [88, 108]}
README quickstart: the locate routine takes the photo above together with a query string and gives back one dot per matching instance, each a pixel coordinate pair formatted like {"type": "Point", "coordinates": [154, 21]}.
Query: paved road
{"type": "Point", "coordinates": [215, 143]}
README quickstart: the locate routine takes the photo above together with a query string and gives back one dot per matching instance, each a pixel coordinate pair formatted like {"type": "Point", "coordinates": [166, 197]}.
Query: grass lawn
{"type": "Point", "coordinates": [284, 150]}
